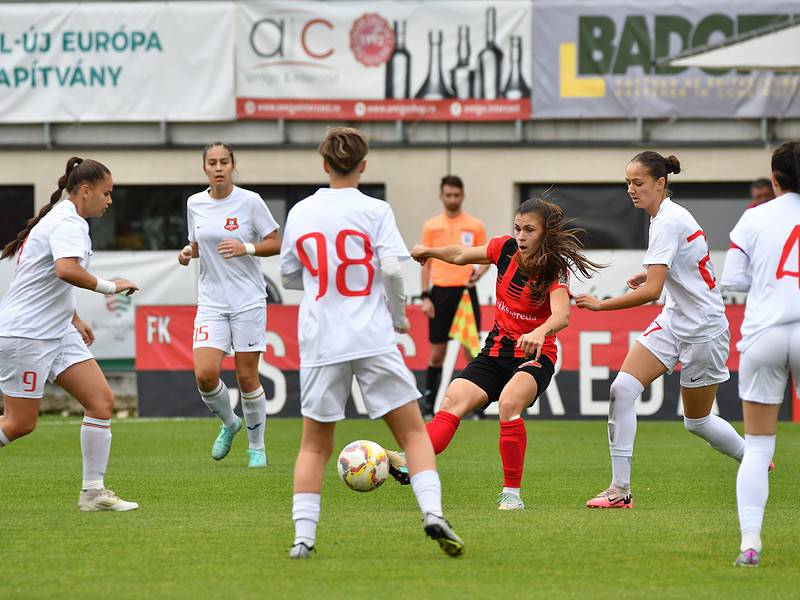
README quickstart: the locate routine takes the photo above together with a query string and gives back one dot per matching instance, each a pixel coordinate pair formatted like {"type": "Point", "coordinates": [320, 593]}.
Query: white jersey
{"type": "Point", "coordinates": [38, 304]}
{"type": "Point", "coordinates": [338, 237]}
{"type": "Point", "coordinates": [769, 235]}
{"type": "Point", "coordinates": [693, 311]}
{"type": "Point", "coordinates": [234, 284]}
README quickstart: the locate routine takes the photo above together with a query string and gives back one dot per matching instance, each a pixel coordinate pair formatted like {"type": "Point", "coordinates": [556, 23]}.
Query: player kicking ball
{"type": "Point", "coordinates": [343, 248]}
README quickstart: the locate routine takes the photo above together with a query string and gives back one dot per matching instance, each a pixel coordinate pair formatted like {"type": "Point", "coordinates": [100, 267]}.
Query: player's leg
{"type": "Point", "coordinates": [445, 302]}
{"type": "Point", "coordinates": [18, 419]}
{"type": "Point", "coordinates": [24, 366]}
{"type": "Point", "coordinates": [461, 398]}
{"type": "Point", "coordinates": [639, 369]}
{"type": "Point", "coordinates": [215, 395]}
{"type": "Point", "coordinates": [249, 337]}
{"type": "Point", "coordinates": [86, 383]}
{"type": "Point", "coordinates": [433, 376]}
{"type": "Point", "coordinates": [703, 370]}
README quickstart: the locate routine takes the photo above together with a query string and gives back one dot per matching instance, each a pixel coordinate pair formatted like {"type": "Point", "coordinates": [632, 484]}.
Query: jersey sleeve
{"type": "Point", "coordinates": [290, 262]}
{"type": "Point", "coordinates": [743, 232]}
{"type": "Point", "coordinates": [190, 224]}
{"type": "Point", "coordinates": [263, 221]}
{"type": "Point", "coordinates": [561, 282]}
{"type": "Point", "coordinates": [495, 247]}
{"type": "Point", "coordinates": [480, 234]}
{"type": "Point", "coordinates": [388, 241]}
{"type": "Point", "coordinates": [68, 240]}
{"type": "Point", "coordinates": [663, 244]}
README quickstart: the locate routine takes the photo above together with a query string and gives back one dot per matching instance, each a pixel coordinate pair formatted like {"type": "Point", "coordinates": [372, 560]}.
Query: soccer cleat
{"type": "Point", "coordinates": [748, 558]}
{"type": "Point", "coordinates": [510, 501]}
{"type": "Point", "coordinates": [398, 467]}
{"type": "Point", "coordinates": [301, 550]}
{"type": "Point", "coordinates": [222, 445]}
{"type": "Point", "coordinates": [439, 529]}
{"type": "Point", "coordinates": [611, 498]}
{"type": "Point", "coordinates": [103, 500]}
{"type": "Point", "coordinates": [256, 458]}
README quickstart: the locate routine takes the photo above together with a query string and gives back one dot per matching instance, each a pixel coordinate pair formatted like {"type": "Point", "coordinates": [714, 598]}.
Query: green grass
{"type": "Point", "coordinates": [219, 530]}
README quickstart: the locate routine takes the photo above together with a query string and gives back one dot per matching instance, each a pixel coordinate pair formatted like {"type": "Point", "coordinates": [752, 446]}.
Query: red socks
{"type": "Point", "coordinates": [513, 442]}
{"type": "Point", "coordinates": [442, 429]}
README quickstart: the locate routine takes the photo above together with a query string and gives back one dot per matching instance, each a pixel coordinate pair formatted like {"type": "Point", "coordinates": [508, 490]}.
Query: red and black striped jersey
{"type": "Point", "coordinates": [515, 311]}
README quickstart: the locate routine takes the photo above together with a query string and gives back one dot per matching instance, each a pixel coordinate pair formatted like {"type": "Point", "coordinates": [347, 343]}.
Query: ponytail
{"type": "Point", "coordinates": [76, 172]}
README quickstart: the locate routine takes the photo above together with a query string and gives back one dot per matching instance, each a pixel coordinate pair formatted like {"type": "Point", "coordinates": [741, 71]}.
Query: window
{"type": "Point", "coordinates": [153, 217]}
{"type": "Point", "coordinates": [611, 222]}
{"type": "Point", "coordinates": [16, 207]}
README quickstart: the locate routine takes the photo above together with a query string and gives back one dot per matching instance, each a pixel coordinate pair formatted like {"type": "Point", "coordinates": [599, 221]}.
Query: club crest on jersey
{"type": "Point", "coordinates": [231, 223]}
{"type": "Point", "coordinates": [467, 238]}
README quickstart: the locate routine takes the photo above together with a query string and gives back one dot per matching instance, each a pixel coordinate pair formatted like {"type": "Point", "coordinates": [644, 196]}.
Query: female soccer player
{"type": "Point", "coordinates": [41, 335]}
{"type": "Point", "coordinates": [517, 362]}
{"type": "Point", "coordinates": [344, 249]}
{"type": "Point", "coordinates": [763, 260]}
{"type": "Point", "coordinates": [229, 228]}
{"type": "Point", "coordinates": [692, 329]}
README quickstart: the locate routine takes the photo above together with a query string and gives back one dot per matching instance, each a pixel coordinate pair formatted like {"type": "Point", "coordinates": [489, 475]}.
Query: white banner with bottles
{"type": "Point", "coordinates": [411, 60]}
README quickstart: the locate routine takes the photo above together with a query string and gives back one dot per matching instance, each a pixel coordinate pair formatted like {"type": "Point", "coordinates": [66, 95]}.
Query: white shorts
{"type": "Point", "coordinates": [244, 331]}
{"type": "Point", "coordinates": [702, 363]}
{"type": "Point", "coordinates": [25, 364]}
{"type": "Point", "coordinates": [385, 382]}
{"type": "Point", "coordinates": [765, 366]}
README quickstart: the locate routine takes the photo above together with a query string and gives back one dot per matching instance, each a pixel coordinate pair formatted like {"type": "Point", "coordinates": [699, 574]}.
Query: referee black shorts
{"type": "Point", "coordinates": [445, 302]}
{"type": "Point", "coordinates": [492, 373]}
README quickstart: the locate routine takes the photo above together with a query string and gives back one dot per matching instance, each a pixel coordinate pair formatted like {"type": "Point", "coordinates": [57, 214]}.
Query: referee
{"type": "Point", "coordinates": [443, 283]}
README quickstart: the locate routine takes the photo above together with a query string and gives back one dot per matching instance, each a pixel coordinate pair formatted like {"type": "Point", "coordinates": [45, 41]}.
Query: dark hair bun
{"type": "Point", "coordinates": [673, 164]}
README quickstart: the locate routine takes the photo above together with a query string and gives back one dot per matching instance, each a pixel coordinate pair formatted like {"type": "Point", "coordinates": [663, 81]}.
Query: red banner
{"type": "Point", "coordinates": [383, 110]}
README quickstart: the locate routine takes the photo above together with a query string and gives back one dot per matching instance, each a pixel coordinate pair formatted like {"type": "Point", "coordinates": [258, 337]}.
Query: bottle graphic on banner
{"type": "Point", "coordinates": [490, 60]}
{"type": "Point", "coordinates": [516, 87]}
{"type": "Point", "coordinates": [435, 87]}
{"type": "Point", "coordinates": [398, 67]}
{"type": "Point", "coordinates": [461, 78]}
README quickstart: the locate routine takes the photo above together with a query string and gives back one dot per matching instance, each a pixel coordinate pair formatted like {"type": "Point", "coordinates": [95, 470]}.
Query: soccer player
{"type": "Point", "coordinates": [440, 300]}
{"type": "Point", "coordinates": [41, 335]}
{"type": "Point", "coordinates": [760, 192]}
{"type": "Point", "coordinates": [517, 362]}
{"type": "Point", "coordinates": [343, 248]}
{"type": "Point", "coordinates": [764, 260]}
{"type": "Point", "coordinates": [229, 228]}
{"type": "Point", "coordinates": [692, 328]}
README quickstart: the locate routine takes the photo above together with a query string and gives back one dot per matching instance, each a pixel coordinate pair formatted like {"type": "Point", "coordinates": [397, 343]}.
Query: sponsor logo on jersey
{"type": "Point", "coordinates": [467, 238]}
{"type": "Point", "coordinates": [232, 223]}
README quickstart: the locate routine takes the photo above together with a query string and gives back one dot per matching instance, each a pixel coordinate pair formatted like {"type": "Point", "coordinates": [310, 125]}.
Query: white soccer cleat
{"type": "Point", "coordinates": [103, 500]}
{"type": "Point", "coordinates": [510, 501]}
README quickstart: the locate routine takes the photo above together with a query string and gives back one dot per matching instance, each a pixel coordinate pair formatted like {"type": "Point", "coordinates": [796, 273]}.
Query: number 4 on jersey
{"type": "Point", "coordinates": [792, 243]}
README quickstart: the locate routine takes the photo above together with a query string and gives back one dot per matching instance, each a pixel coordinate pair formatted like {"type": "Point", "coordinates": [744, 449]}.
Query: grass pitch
{"type": "Point", "coordinates": [221, 530]}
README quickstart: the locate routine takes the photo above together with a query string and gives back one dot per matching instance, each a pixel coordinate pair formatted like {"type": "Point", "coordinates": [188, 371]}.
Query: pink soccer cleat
{"type": "Point", "coordinates": [611, 498]}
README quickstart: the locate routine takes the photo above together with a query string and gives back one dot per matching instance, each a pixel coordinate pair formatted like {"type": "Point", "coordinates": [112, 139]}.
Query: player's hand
{"type": "Point", "coordinates": [418, 253]}
{"type": "Point", "coordinates": [83, 328]}
{"type": "Point", "coordinates": [532, 343]}
{"type": "Point", "coordinates": [231, 249]}
{"type": "Point", "coordinates": [403, 327]}
{"type": "Point", "coordinates": [124, 285]}
{"type": "Point", "coordinates": [474, 277]}
{"type": "Point", "coordinates": [588, 301]}
{"type": "Point", "coordinates": [428, 309]}
{"type": "Point", "coordinates": [185, 255]}
{"type": "Point", "coordinates": [637, 280]}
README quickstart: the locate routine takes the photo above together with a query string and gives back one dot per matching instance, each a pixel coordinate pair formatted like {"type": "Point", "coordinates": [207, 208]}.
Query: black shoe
{"type": "Point", "coordinates": [439, 529]}
{"type": "Point", "coordinates": [398, 467]}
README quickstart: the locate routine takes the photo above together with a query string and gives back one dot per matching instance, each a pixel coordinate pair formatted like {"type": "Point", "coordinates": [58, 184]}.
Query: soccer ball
{"type": "Point", "coordinates": [363, 465]}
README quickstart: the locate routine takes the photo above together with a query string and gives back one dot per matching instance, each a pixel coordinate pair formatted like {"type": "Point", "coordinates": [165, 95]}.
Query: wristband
{"type": "Point", "coordinates": [250, 249]}
{"type": "Point", "coordinates": [105, 287]}
{"type": "Point", "coordinates": [425, 295]}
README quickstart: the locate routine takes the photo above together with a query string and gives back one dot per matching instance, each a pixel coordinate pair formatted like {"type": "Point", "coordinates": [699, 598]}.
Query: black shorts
{"type": "Point", "coordinates": [491, 374]}
{"type": "Point", "coordinates": [445, 301]}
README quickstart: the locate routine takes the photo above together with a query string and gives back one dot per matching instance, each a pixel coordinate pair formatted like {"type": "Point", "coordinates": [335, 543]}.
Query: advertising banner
{"type": "Point", "coordinates": [597, 59]}
{"type": "Point", "coordinates": [411, 60]}
{"type": "Point", "coordinates": [591, 351]}
{"type": "Point", "coordinates": [142, 61]}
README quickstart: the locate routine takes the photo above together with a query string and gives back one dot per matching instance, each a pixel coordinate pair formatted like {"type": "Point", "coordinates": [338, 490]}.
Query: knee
{"type": "Point", "coordinates": [18, 428]}
{"type": "Point", "coordinates": [437, 354]}
{"type": "Point", "coordinates": [207, 380]}
{"type": "Point", "coordinates": [625, 388]}
{"type": "Point", "coordinates": [101, 406]}
{"type": "Point", "coordinates": [510, 406]}
{"type": "Point", "coordinates": [694, 426]}
{"type": "Point", "coordinates": [248, 383]}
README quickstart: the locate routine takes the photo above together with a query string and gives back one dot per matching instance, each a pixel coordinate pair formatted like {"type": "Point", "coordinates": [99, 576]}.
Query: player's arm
{"type": "Point", "coordinates": [532, 342]}
{"type": "Point", "coordinates": [735, 274]}
{"type": "Point", "coordinates": [188, 252]}
{"type": "Point", "coordinates": [649, 291]}
{"type": "Point", "coordinates": [70, 270]}
{"type": "Point", "coordinates": [269, 246]}
{"type": "Point", "coordinates": [83, 328]}
{"type": "Point", "coordinates": [455, 255]}
{"type": "Point", "coordinates": [395, 293]}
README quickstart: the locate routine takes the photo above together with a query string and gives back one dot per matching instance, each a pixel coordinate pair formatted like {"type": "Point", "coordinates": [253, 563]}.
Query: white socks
{"type": "Point", "coordinates": [4, 441]}
{"type": "Point", "coordinates": [254, 407]}
{"type": "Point", "coordinates": [219, 403]}
{"type": "Point", "coordinates": [752, 487]}
{"type": "Point", "coordinates": [622, 427]}
{"type": "Point", "coordinates": [305, 512]}
{"type": "Point", "coordinates": [719, 434]}
{"type": "Point", "coordinates": [428, 489]}
{"type": "Point", "coordinates": [95, 447]}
